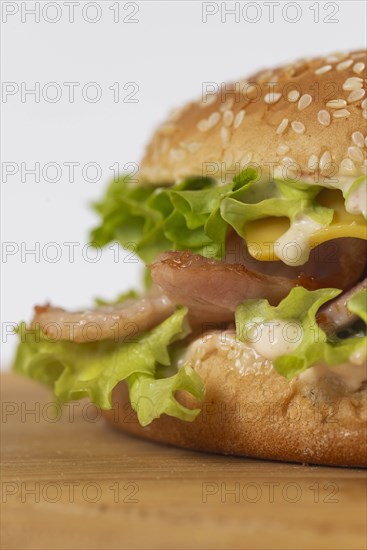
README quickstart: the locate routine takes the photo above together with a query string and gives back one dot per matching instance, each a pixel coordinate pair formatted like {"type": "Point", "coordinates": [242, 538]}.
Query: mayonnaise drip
{"type": "Point", "coordinates": [293, 246]}
{"type": "Point", "coordinates": [252, 358]}
{"type": "Point", "coordinates": [356, 202]}
{"type": "Point", "coordinates": [276, 338]}
{"type": "Point", "coordinates": [349, 375]}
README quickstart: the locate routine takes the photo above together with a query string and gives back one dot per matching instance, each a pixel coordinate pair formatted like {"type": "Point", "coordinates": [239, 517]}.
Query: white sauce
{"type": "Point", "coordinates": [246, 358]}
{"type": "Point", "coordinates": [275, 338]}
{"type": "Point", "coordinates": [358, 357]}
{"type": "Point", "coordinates": [341, 182]}
{"type": "Point", "coordinates": [293, 246]}
{"type": "Point", "coordinates": [356, 202]}
{"type": "Point", "coordinates": [349, 375]}
{"type": "Point", "coordinates": [243, 357]}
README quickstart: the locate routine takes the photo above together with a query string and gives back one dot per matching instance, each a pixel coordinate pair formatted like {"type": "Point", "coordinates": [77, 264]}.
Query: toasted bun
{"type": "Point", "coordinates": [250, 410]}
{"type": "Point", "coordinates": [269, 120]}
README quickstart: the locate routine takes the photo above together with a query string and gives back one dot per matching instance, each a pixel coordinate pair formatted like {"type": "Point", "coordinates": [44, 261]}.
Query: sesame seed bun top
{"type": "Point", "coordinates": [304, 119]}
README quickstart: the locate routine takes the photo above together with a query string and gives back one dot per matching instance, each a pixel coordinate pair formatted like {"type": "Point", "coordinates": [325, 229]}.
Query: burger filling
{"type": "Point", "coordinates": [280, 263]}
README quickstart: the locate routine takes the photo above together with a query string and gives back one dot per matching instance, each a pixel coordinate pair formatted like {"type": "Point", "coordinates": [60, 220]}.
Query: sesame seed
{"type": "Point", "coordinates": [224, 134]}
{"type": "Point", "coordinates": [167, 129]}
{"type": "Point", "coordinates": [336, 104]}
{"type": "Point", "coordinates": [293, 96]}
{"type": "Point", "coordinates": [323, 117]}
{"type": "Point", "coordinates": [228, 117]}
{"type": "Point", "coordinates": [288, 160]}
{"type": "Point", "coordinates": [364, 114]}
{"type": "Point", "coordinates": [332, 59]}
{"type": "Point", "coordinates": [325, 160]}
{"type": "Point", "coordinates": [304, 102]}
{"type": "Point", "coordinates": [355, 154]}
{"type": "Point", "coordinates": [228, 158]}
{"type": "Point", "coordinates": [193, 147]}
{"type": "Point", "coordinates": [177, 154]}
{"type": "Point", "coordinates": [213, 119]}
{"type": "Point", "coordinates": [239, 118]}
{"type": "Point", "coordinates": [266, 75]}
{"type": "Point", "coordinates": [209, 100]}
{"type": "Point", "coordinates": [282, 149]}
{"type": "Point", "coordinates": [356, 95]}
{"type": "Point", "coordinates": [298, 127]}
{"type": "Point", "coordinates": [313, 162]}
{"type": "Point", "coordinates": [272, 97]}
{"type": "Point", "coordinates": [358, 139]}
{"type": "Point", "coordinates": [364, 104]}
{"type": "Point", "coordinates": [202, 125]}
{"type": "Point", "coordinates": [358, 68]}
{"type": "Point", "coordinates": [324, 69]}
{"type": "Point", "coordinates": [347, 164]}
{"type": "Point", "coordinates": [337, 56]}
{"type": "Point", "coordinates": [282, 126]}
{"type": "Point", "coordinates": [342, 55]}
{"type": "Point", "coordinates": [344, 65]}
{"type": "Point", "coordinates": [228, 104]}
{"type": "Point", "coordinates": [353, 83]}
{"type": "Point", "coordinates": [288, 70]}
{"type": "Point", "coordinates": [246, 159]}
{"type": "Point", "coordinates": [365, 141]}
{"type": "Point", "coordinates": [341, 113]}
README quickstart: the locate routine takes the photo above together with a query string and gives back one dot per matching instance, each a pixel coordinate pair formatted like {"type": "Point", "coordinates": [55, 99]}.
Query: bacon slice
{"type": "Point", "coordinates": [118, 322]}
{"type": "Point", "coordinates": [212, 289]}
{"type": "Point", "coordinates": [338, 263]}
{"type": "Point", "coordinates": [335, 316]}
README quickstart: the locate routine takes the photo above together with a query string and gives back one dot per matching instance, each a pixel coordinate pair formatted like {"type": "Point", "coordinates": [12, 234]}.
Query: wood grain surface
{"type": "Point", "coordinates": [74, 483]}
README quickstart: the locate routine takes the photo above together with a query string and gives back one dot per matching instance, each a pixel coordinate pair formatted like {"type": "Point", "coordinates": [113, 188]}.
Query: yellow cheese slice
{"type": "Point", "coordinates": [261, 235]}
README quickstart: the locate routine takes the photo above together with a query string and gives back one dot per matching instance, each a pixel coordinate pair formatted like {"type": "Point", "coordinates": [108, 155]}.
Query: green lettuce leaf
{"type": "Point", "coordinates": [197, 213]}
{"type": "Point", "coordinates": [358, 304]}
{"type": "Point", "coordinates": [129, 295]}
{"type": "Point", "coordinates": [279, 199]}
{"type": "Point", "coordinates": [93, 369]}
{"type": "Point", "coordinates": [348, 191]}
{"type": "Point", "coordinates": [180, 217]}
{"type": "Point", "coordinates": [298, 310]}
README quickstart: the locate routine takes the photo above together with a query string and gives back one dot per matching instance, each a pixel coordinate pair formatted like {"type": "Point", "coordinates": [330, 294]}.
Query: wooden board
{"type": "Point", "coordinates": [74, 483]}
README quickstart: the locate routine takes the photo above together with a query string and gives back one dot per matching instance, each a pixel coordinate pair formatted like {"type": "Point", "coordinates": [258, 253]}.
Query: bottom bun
{"type": "Point", "coordinates": [250, 410]}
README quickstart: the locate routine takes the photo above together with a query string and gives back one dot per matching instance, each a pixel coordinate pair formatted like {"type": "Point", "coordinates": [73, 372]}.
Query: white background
{"type": "Point", "coordinates": [169, 53]}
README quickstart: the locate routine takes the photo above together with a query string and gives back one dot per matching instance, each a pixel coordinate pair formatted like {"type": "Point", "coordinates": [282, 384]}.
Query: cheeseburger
{"type": "Point", "coordinates": [249, 212]}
